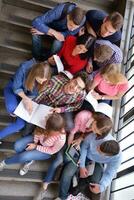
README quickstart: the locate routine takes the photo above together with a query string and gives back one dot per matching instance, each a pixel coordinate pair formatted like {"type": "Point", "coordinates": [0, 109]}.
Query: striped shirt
{"type": "Point", "coordinates": [51, 144]}
{"type": "Point", "coordinates": [54, 95]}
{"type": "Point", "coordinates": [116, 56]}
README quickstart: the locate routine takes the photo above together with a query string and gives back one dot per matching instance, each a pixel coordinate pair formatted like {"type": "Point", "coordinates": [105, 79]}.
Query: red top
{"type": "Point", "coordinates": [71, 63]}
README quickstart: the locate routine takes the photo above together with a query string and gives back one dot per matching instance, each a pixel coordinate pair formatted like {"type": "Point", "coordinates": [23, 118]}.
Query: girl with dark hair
{"type": "Point", "coordinates": [75, 52]}
{"type": "Point", "coordinates": [26, 84]}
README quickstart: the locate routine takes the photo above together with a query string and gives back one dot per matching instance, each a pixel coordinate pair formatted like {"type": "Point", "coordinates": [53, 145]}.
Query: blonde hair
{"type": "Point", "coordinates": [112, 73]}
{"type": "Point", "coordinates": [40, 70]}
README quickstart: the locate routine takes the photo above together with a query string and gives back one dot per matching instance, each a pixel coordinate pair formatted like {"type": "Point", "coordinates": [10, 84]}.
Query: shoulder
{"type": "Point", "coordinates": [103, 42]}
{"type": "Point", "coordinates": [27, 64]}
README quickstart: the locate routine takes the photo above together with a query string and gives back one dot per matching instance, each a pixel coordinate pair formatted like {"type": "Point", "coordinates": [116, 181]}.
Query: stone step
{"type": "Point", "coordinates": [36, 5]}
{"type": "Point", "coordinates": [15, 198]}
{"type": "Point", "coordinates": [13, 12]}
{"type": "Point", "coordinates": [6, 68]}
{"type": "Point", "coordinates": [29, 189]}
{"type": "Point", "coordinates": [12, 36]}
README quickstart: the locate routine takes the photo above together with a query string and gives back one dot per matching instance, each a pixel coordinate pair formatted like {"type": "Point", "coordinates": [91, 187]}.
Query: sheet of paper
{"type": "Point", "coordinates": [91, 100]}
{"type": "Point", "coordinates": [59, 64]}
{"type": "Point", "coordinates": [21, 112]}
{"type": "Point", "coordinates": [40, 116]}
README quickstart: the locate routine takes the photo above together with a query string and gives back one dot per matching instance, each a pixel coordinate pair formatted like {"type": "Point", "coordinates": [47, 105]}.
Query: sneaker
{"type": "Point", "coordinates": [2, 165]}
{"type": "Point", "coordinates": [25, 168]}
{"type": "Point", "coordinates": [58, 198]}
{"type": "Point", "coordinates": [45, 186]}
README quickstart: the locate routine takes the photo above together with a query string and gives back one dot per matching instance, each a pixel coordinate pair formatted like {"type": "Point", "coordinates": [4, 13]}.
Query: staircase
{"type": "Point", "coordinates": [15, 47]}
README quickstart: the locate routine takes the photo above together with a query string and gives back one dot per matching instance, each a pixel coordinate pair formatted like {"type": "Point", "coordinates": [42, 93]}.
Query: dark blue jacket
{"type": "Point", "coordinates": [52, 19]}
{"type": "Point", "coordinates": [95, 18]}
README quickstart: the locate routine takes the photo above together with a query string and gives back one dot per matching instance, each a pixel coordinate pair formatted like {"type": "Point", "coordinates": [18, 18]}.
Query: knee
{"type": "Point", "coordinates": [20, 123]}
{"type": "Point", "coordinates": [18, 146]}
{"type": "Point", "coordinates": [10, 107]}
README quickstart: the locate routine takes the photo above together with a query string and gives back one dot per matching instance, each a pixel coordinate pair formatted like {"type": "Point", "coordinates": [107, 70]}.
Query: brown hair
{"type": "Point", "coordinates": [103, 123]}
{"type": "Point", "coordinates": [54, 122]}
{"type": "Point", "coordinates": [38, 70]}
{"type": "Point", "coordinates": [110, 147]}
{"type": "Point", "coordinates": [112, 73]}
{"type": "Point", "coordinates": [83, 76]}
{"type": "Point", "coordinates": [77, 15]}
{"type": "Point", "coordinates": [103, 52]}
{"type": "Point", "coordinates": [116, 20]}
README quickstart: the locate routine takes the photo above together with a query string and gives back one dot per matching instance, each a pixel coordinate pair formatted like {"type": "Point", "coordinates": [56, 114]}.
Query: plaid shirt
{"type": "Point", "coordinates": [117, 53]}
{"type": "Point", "coordinates": [54, 95]}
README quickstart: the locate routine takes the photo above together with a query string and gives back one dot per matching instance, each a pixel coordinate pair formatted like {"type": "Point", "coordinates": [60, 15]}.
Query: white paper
{"type": "Point", "coordinates": [91, 100]}
{"type": "Point", "coordinates": [38, 115]}
{"type": "Point", "coordinates": [21, 112]}
{"type": "Point", "coordinates": [59, 64]}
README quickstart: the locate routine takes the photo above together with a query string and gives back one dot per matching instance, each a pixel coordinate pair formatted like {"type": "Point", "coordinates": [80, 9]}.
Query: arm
{"type": "Point", "coordinates": [53, 145]}
{"type": "Point", "coordinates": [109, 174]}
{"type": "Point", "coordinates": [42, 22]}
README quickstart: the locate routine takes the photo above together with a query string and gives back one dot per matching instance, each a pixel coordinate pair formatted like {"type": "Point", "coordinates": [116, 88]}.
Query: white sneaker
{"type": "Point", "coordinates": [58, 198]}
{"type": "Point", "coordinates": [45, 186]}
{"type": "Point", "coordinates": [2, 165]}
{"type": "Point", "coordinates": [25, 168]}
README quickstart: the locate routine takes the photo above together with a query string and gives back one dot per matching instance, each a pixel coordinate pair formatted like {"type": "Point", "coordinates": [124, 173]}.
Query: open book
{"type": "Point", "coordinates": [60, 67]}
{"type": "Point", "coordinates": [101, 107]}
{"type": "Point", "coordinates": [38, 115]}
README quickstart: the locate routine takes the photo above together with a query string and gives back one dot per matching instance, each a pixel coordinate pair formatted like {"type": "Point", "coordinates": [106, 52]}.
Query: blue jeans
{"type": "Point", "coordinates": [66, 178]}
{"type": "Point", "coordinates": [23, 156]}
{"type": "Point", "coordinates": [39, 51]}
{"type": "Point", "coordinates": [53, 166]}
{"type": "Point", "coordinates": [11, 101]}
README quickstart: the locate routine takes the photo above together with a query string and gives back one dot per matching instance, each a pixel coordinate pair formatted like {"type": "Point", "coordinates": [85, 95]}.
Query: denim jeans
{"type": "Point", "coordinates": [83, 184]}
{"type": "Point", "coordinates": [66, 178]}
{"type": "Point", "coordinates": [39, 51]}
{"type": "Point", "coordinates": [23, 156]}
{"type": "Point", "coordinates": [11, 101]}
{"type": "Point", "coordinates": [53, 166]}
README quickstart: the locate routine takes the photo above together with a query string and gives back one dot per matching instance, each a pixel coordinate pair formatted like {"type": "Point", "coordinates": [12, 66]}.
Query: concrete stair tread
{"type": "Point", "coordinates": [15, 198]}
{"type": "Point", "coordinates": [8, 68]}
{"type": "Point", "coordinates": [16, 46]}
{"type": "Point", "coordinates": [14, 12]}
{"type": "Point", "coordinates": [37, 5]}
{"type": "Point", "coordinates": [7, 36]}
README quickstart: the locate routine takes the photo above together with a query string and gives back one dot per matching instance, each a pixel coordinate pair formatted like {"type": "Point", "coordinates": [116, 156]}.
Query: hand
{"type": "Point", "coordinates": [56, 110]}
{"type": "Point", "coordinates": [95, 188]}
{"type": "Point", "coordinates": [28, 104]}
{"type": "Point", "coordinates": [34, 31]}
{"type": "Point", "coordinates": [31, 146]}
{"type": "Point", "coordinates": [96, 95]}
{"type": "Point", "coordinates": [77, 142]}
{"type": "Point", "coordinates": [51, 60]}
{"type": "Point", "coordinates": [81, 31]}
{"type": "Point", "coordinates": [89, 68]}
{"type": "Point", "coordinates": [83, 172]}
{"type": "Point", "coordinates": [59, 36]}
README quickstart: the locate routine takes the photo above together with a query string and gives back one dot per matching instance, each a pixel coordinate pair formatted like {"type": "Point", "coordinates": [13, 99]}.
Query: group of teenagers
{"type": "Point", "coordinates": [87, 44]}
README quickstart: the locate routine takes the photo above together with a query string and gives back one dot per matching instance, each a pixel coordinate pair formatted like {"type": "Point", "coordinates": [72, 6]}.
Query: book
{"type": "Point", "coordinates": [60, 67]}
{"type": "Point", "coordinates": [73, 154]}
{"type": "Point", "coordinates": [101, 107]}
{"type": "Point", "coordinates": [59, 64]}
{"type": "Point", "coordinates": [38, 115]}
